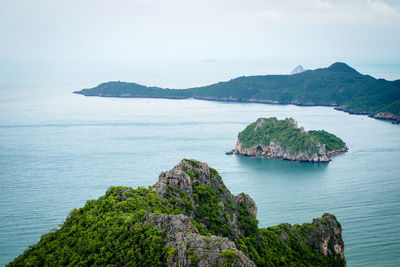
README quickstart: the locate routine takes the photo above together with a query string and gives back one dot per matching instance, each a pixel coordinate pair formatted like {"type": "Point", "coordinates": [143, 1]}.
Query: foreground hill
{"type": "Point", "coordinates": [283, 139]}
{"type": "Point", "coordinates": [188, 218]}
{"type": "Point", "coordinates": [338, 85]}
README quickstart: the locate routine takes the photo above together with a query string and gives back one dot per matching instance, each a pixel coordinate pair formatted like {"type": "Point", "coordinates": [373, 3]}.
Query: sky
{"type": "Point", "coordinates": [204, 29]}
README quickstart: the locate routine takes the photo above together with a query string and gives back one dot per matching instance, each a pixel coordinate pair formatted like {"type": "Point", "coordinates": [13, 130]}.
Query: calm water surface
{"type": "Point", "coordinates": [58, 150]}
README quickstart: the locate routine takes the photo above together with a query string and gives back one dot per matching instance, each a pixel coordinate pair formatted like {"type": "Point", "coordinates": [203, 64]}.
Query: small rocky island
{"type": "Point", "coordinates": [283, 139]}
{"type": "Point", "coordinates": [188, 218]}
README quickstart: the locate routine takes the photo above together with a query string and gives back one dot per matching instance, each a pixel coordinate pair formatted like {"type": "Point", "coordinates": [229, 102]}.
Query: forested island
{"type": "Point", "coordinates": [339, 86]}
{"type": "Point", "coordinates": [188, 218]}
{"type": "Point", "coordinates": [283, 139]}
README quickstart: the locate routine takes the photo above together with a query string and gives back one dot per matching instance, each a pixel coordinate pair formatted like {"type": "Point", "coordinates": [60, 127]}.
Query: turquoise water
{"type": "Point", "coordinates": [58, 149]}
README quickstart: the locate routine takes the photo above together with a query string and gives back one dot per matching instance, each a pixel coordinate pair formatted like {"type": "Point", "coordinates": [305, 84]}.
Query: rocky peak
{"type": "Point", "coordinates": [176, 178]}
{"type": "Point", "coordinates": [298, 69]}
{"type": "Point", "coordinates": [260, 124]}
{"type": "Point", "coordinates": [199, 190]}
{"type": "Point", "coordinates": [293, 122]}
{"type": "Point", "coordinates": [184, 174]}
{"type": "Point", "coordinates": [328, 238]}
{"type": "Point", "coordinates": [244, 199]}
{"type": "Point", "coordinates": [323, 234]}
{"type": "Point", "coordinates": [341, 67]}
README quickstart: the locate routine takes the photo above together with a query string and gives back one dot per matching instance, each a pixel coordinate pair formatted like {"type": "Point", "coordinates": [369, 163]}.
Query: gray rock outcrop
{"type": "Point", "coordinates": [191, 248]}
{"type": "Point", "coordinates": [297, 70]}
{"type": "Point", "coordinates": [275, 151]}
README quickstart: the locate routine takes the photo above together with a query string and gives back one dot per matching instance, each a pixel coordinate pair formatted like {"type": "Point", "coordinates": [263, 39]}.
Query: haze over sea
{"type": "Point", "coordinates": [58, 149]}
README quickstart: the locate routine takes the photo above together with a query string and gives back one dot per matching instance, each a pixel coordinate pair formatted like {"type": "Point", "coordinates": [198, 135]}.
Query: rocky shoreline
{"type": "Point", "coordinates": [337, 151]}
{"type": "Point", "coordinates": [268, 155]}
{"type": "Point", "coordinates": [386, 116]}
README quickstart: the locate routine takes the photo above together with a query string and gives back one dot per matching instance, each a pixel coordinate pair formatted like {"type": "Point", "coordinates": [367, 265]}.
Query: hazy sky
{"type": "Point", "coordinates": [205, 29]}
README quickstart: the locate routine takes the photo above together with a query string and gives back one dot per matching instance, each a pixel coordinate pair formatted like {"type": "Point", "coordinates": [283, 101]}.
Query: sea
{"type": "Point", "coordinates": [59, 149]}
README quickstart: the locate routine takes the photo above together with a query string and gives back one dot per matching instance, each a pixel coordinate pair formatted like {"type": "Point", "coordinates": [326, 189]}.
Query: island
{"type": "Point", "coordinates": [188, 218]}
{"type": "Point", "coordinates": [339, 86]}
{"type": "Point", "coordinates": [283, 139]}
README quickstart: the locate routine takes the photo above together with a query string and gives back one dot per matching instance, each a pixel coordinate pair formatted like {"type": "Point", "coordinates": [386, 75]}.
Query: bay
{"type": "Point", "coordinates": [58, 150]}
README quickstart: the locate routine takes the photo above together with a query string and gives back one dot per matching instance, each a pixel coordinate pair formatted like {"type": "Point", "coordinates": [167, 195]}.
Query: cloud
{"type": "Point", "coordinates": [381, 9]}
{"type": "Point", "coordinates": [353, 12]}
{"type": "Point", "coordinates": [198, 28]}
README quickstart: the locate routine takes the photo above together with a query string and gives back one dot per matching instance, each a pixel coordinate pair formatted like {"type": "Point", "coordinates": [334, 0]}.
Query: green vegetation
{"type": "Point", "coordinates": [331, 141]}
{"type": "Point", "coordinates": [109, 230]}
{"type": "Point", "coordinates": [114, 230]}
{"type": "Point", "coordinates": [294, 249]}
{"type": "Point", "coordinates": [282, 132]}
{"type": "Point", "coordinates": [338, 85]}
{"type": "Point", "coordinates": [193, 257]}
{"type": "Point", "coordinates": [287, 135]}
{"type": "Point", "coordinates": [230, 255]}
{"type": "Point", "coordinates": [211, 217]}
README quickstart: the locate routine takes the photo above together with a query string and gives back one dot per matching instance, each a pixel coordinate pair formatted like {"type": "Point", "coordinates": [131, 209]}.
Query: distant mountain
{"type": "Point", "coordinates": [342, 67]}
{"type": "Point", "coordinates": [298, 69]}
{"type": "Point", "coordinates": [339, 85]}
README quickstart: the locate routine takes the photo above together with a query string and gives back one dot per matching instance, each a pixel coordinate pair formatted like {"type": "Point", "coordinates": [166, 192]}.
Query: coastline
{"type": "Point", "coordinates": [385, 116]}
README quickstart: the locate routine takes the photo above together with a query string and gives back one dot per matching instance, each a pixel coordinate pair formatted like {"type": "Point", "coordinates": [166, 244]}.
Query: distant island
{"type": "Point", "coordinates": [283, 139]}
{"type": "Point", "coordinates": [188, 218]}
{"type": "Point", "coordinates": [339, 86]}
{"type": "Point", "coordinates": [297, 70]}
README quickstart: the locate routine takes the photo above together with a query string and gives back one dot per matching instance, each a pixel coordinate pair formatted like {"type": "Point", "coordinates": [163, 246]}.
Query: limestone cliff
{"type": "Point", "coordinates": [387, 116]}
{"type": "Point", "coordinates": [191, 248]}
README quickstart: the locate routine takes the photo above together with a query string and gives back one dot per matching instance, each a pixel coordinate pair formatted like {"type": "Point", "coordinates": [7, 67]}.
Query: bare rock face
{"type": "Point", "coordinates": [171, 224]}
{"type": "Point", "coordinates": [338, 151]}
{"type": "Point", "coordinates": [275, 151]}
{"type": "Point", "coordinates": [298, 69]}
{"type": "Point", "coordinates": [260, 124]}
{"type": "Point", "coordinates": [191, 248]}
{"type": "Point", "coordinates": [175, 178]}
{"type": "Point", "coordinates": [328, 238]}
{"type": "Point", "coordinates": [387, 116]}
